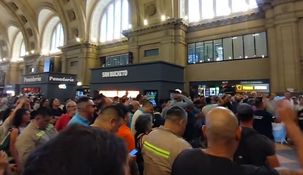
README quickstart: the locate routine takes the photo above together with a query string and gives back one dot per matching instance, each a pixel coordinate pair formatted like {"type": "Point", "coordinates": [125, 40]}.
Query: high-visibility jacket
{"type": "Point", "coordinates": [160, 149]}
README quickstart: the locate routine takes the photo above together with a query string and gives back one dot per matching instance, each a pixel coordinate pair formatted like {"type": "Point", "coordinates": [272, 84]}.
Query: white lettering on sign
{"type": "Point", "coordinates": [32, 79]}
{"type": "Point", "coordinates": [62, 79]}
{"type": "Point", "coordinates": [122, 73]}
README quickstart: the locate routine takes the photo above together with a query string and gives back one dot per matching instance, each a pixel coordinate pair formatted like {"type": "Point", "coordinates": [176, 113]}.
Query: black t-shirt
{"type": "Point", "coordinates": [253, 148]}
{"type": "Point", "coordinates": [263, 123]}
{"type": "Point", "coordinates": [56, 112]}
{"type": "Point", "coordinates": [196, 162]}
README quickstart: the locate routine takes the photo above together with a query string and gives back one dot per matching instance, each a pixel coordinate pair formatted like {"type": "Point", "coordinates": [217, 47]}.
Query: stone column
{"type": "Point", "coordinates": [78, 59]}
{"type": "Point", "coordinates": [283, 40]}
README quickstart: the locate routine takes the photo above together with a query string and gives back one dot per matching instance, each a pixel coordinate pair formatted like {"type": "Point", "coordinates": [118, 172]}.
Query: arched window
{"type": "Point", "coordinates": [57, 38]}
{"type": "Point", "coordinates": [18, 47]}
{"type": "Point", "coordinates": [52, 31]}
{"type": "Point", "coordinates": [114, 20]}
{"type": "Point", "coordinates": [198, 10]}
{"type": "Point", "coordinates": [22, 49]}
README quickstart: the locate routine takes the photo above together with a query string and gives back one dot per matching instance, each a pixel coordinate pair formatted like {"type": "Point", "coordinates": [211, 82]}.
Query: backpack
{"type": "Point", "coordinates": [241, 156]}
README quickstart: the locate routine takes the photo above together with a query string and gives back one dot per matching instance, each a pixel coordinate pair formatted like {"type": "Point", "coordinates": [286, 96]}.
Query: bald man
{"type": "Point", "coordinates": [71, 108]}
{"type": "Point", "coordinates": [223, 135]}
{"type": "Point", "coordinates": [109, 119]}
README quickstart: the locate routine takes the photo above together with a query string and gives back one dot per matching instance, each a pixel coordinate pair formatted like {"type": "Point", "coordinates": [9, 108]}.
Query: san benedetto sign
{"type": "Point", "coordinates": [122, 73]}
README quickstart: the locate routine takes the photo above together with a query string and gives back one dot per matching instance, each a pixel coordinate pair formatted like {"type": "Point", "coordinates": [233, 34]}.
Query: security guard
{"type": "Point", "coordinates": [163, 145]}
{"type": "Point", "coordinates": [38, 132]}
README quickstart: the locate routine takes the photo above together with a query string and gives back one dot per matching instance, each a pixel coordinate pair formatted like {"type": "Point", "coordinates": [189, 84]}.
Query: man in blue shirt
{"type": "Point", "coordinates": [86, 109]}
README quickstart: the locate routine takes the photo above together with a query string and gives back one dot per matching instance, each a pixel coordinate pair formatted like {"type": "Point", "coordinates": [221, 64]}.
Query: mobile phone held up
{"type": "Point", "coordinates": [133, 153]}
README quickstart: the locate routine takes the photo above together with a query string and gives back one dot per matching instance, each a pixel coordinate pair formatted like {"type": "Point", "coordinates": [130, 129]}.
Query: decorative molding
{"type": "Point", "coordinates": [77, 46]}
{"type": "Point", "coordinates": [173, 23]}
{"type": "Point", "coordinates": [121, 42]}
{"type": "Point", "coordinates": [226, 21]}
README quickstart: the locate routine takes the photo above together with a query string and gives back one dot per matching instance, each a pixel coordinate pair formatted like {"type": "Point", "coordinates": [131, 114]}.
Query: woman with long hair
{"type": "Point", "coordinates": [20, 121]}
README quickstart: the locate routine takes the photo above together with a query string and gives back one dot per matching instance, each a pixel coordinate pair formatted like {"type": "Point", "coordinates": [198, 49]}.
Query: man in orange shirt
{"type": "Point", "coordinates": [124, 131]}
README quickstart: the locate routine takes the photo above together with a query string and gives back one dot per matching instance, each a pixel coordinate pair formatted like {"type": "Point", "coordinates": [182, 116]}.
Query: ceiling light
{"type": "Point", "coordinates": [145, 22]}
{"type": "Point", "coordinates": [78, 39]}
{"type": "Point", "coordinates": [163, 18]}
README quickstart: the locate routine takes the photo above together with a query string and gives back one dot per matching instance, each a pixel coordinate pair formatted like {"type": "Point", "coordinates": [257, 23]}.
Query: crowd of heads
{"type": "Point", "coordinates": [80, 149]}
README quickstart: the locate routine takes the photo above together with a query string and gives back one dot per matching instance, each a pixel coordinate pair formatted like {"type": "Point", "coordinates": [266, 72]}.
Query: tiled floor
{"type": "Point", "coordinates": [287, 156]}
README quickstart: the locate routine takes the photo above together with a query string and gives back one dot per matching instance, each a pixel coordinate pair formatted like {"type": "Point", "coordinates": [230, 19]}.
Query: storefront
{"type": "Point", "coordinates": [50, 85]}
{"type": "Point", "coordinates": [12, 90]}
{"type": "Point", "coordinates": [211, 88]}
{"type": "Point", "coordinates": [155, 80]}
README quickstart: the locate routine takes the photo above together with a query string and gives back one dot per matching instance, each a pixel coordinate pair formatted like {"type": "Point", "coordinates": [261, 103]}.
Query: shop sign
{"type": "Point", "coordinates": [32, 79]}
{"type": "Point", "coordinates": [61, 79]}
{"type": "Point", "coordinates": [252, 87]}
{"type": "Point", "coordinates": [122, 73]}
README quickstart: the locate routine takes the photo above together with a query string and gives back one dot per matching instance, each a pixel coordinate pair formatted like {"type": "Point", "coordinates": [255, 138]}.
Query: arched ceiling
{"type": "Point", "coordinates": [31, 16]}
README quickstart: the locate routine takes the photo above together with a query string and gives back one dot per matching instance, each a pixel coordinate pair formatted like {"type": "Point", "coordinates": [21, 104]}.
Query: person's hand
{"type": "Point", "coordinates": [3, 160]}
{"type": "Point", "coordinates": [286, 112]}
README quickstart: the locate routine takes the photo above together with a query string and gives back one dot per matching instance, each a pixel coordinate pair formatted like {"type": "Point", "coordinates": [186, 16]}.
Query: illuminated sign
{"type": "Point", "coordinates": [62, 86]}
{"type": "Point", "coordinates": [252, 87]}
{"type": "Point", "coordinates": [32, 79]}
{"type": "Point", "coordinates": [248, 88]}
{"type": "Point", "coordinates": [261, 87]}
{"type": "Point", "coordinates": [122, 73]}
{"type": "Point", "coordinates": [61, 79]}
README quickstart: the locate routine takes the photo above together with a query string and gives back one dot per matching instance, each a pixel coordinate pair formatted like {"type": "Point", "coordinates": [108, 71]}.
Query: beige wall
{"type": "Point", "coordinates": [250, 69]}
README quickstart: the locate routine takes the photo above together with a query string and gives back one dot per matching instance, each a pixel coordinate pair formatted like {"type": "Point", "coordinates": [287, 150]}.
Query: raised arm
{"type": "Point", "coordinates": [288, 117]}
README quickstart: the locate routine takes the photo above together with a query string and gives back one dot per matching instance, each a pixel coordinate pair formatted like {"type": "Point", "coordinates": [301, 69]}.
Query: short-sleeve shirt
{"type": "Point", "coordinates": [78, 120]}
{"type": "Point", "coordinates": [63, 121]}
{"type": "Point", "coordinates": [196, 162]}
{"type": "Point", "coordinates": [31, 138]}
{"type": "Point", "coordinates": [160, 148]}
{"type": "Point", "coordinates": [253, 148]}
{"type": "Point", "coordinates": [263, 123]}
{"type": "Point", "coordinates": [125, 133]}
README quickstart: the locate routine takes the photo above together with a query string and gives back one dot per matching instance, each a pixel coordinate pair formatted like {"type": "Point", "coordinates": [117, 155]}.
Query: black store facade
{"type": "Point", "coordinates": [50, 85]}
{"type": "Point", "coordinates": [152, 79]}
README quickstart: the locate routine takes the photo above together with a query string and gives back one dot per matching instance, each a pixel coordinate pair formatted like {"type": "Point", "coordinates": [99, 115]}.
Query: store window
{"type": "Point", "coordinates": [228, 48]}
{"type": "Point", "coordinates": [208, 51]}
{"type": "Point", "coordinates": [114, 20]}
{"type": "Point", "coordinates": [151, 52]}
{"type": "Point", "coordinates": [199, 10]}
{"type": "Point", "coordinates": [116, 60]}
{"type": "Point", "coordinates": [237, 47]}
{"type": "Point", "coordinates": [261, 44]}
{"type": "Point", "coordinates": [218, 50]}
{"type": "Point", "coordinates": [192, 58]}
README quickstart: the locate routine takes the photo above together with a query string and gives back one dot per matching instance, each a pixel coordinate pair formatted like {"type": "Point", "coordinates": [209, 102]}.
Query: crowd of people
{"type": "Point", "coordinates": [230, 134]}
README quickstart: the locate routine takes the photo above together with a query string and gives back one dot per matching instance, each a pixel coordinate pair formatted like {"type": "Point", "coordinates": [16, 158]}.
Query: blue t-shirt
{"type": "Point", "coordinates": [77, 119]}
